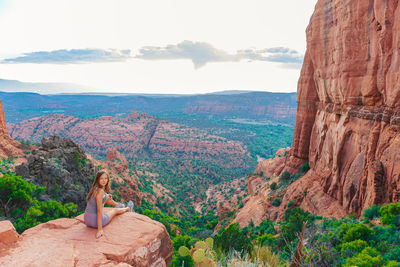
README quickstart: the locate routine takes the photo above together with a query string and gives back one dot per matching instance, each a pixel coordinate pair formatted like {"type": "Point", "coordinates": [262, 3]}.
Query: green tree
{"type": "Point", "coordinates": [15, 193]}
{"type": "Point", "coordinates": [391, 214]}
{"type": "Point", "coordinates": [369, 257]}
{"type": "Point", "coordinates": [233, 238]}
{"type": "Point", "coordinates": [357, 231]}
{"type": "Point", "coordinates": [44, 211]}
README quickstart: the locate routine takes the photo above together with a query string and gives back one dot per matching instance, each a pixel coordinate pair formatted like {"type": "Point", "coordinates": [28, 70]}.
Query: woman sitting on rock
{"type": "Point", "coordinates": [96, 198]}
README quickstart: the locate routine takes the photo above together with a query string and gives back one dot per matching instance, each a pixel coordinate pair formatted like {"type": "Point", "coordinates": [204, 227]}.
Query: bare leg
{"type": "Point", "coordinates": [116, 211]}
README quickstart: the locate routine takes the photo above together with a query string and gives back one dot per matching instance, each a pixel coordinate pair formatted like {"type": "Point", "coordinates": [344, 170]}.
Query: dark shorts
{"type": "Point", "coordinates": [91, 219]}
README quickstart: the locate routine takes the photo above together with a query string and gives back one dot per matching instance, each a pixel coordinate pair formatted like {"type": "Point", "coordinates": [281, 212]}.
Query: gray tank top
{"type": "Point", "coordinates": [91, 206]}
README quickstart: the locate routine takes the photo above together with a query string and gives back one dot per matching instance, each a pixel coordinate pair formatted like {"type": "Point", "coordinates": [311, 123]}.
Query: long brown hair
{"type": "Point", "coordinates": [96, 184]}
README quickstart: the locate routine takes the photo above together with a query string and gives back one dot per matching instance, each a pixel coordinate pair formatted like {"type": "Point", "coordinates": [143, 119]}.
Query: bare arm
{"type": "Point", "coordinates": [110, 201]}
{"type": "Point", "coordinates": [99, 202]}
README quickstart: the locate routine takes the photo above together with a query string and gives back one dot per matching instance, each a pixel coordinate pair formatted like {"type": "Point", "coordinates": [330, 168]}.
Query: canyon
{"type": "Point", "coordinates": [138, 134]}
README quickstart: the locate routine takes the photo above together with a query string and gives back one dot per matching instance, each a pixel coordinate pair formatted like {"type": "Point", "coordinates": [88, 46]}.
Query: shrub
{"type": "Point", "coordinates": [353, 247]}
{"type": "Point", "coordinates": [369, 257]}
{"type": "Point", "coordinates": [357, 231]}
{"type": "Point", "coordinates": [273, 186]}
{"type": "Point", "coordinates": [15, 192]}
{"type": "Point", "coordinates": [285, 176]}
{"type": "Point", "coordinates": [291, 203]}
{"type": "Point", "coordinates": [372, 212]}
{"type": "Point", "coordinates": [232, 238]}
{"type": "Point", "coordinates": [305, 167]}
{"type": "Point", "coordinates": [390, 214]}
{"type": "Point", "coordinates": [44, 211]}
{"type": "Point", "coordinates": [266, 240]}
{"type": "Point", "coordinates": [276, 202]}
{"type": "Point", "coordinates": [265, 255]}
{"type": "Point", "coordinates": [293, 223]}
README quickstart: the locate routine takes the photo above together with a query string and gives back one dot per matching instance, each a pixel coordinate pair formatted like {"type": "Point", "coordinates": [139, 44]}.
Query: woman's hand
{"type": "Point", "coordinates": [99, 233]}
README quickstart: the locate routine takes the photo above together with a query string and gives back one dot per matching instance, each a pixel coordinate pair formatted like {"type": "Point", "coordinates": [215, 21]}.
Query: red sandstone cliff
{"type": "Point", "coordinates": [348, 115]}
{"type": "Point", "coordinates": [8, 146]}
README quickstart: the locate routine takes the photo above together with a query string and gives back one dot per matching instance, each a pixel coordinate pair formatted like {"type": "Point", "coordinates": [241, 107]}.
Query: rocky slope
{"type": "Point", "coordinates": [68, 172]}
{"type": "Point", "coordinates": [142, 242]}
{"type": "Point", "coordinates": [135, 135]}
{"type": "Point", "coordinates": [348, 114]}
{"type": "Point", "coordinates": [61, 166]}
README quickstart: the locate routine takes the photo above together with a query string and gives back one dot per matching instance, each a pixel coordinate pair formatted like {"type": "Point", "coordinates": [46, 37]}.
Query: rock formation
{"type": "Point", "coordinates": [130, 239]}
{"type": "Point", "coordinates": [8, 146]}
{"type": "Point", "coordinates": [349, 102]}
{"type": "Point", "coordinates": [68, 172]}
{"type": "Point", "coordinates": [348, 114]}
{"type": "Point", "coordinates": [61, 166]}
{"type": "Point", "coordinates": [128, 182]}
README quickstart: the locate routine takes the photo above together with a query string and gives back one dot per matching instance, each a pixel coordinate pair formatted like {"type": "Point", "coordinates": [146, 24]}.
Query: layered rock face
{"type": "Point", "coordinates": [130, 239]}
{"type": "Point", "coordinates": [348, 116]}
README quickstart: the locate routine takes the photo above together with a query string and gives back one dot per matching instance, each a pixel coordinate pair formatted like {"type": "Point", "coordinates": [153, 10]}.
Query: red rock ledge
{"type": "Point", "coordinates": [131, 239]}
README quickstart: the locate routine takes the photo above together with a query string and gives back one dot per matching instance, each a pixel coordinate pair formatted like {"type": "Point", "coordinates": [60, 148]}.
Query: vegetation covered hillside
{"type": "Point", "coordinates": [373, 240]}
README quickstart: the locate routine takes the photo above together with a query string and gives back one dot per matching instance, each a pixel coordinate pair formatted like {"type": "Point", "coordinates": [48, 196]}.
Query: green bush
{"type": "Point", "coordinates": [285, 176]}
{"type": "Point", "coordinates": [233, 238]}
{"type": "Point", "coordinates": [44, 211]}
{"type": "Point", "coordinates": [372, 212]}
{"type": "Point", "coordinates": [357, 231]}
{"type": "Point", "coordinates": [290, 204]}
{"type": "Point", "coordinates": [15, 193]}
{"type": "Point", "coordinates": [266, 240]}
{"type": "Point", "coordinates": [305, 167]}
{"type": "Point", "coordinates": [293, 223]}
{"type": "Point", "coordinates": [353, 247]}
{"type": "Point", "coordinates": [273, 186]}
{"type": "Point", "coordinates": [276, 202]}
{"type": "Point", "coordinates": [369, 257]}
{"type": "Point", "coordinates": [390, 214]}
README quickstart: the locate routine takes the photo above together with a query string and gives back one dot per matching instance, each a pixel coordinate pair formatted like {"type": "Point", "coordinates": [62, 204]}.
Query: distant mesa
{"type": "Point", "coordinates": [138, 134]}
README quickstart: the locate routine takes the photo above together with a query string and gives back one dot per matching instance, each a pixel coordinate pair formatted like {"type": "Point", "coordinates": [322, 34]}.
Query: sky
{"type": "Point", "coordinates": [164, 46]}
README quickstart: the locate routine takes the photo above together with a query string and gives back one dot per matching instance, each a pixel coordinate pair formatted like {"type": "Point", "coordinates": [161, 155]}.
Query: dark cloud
{"type": "Point", "coordinates": [72, 56]}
